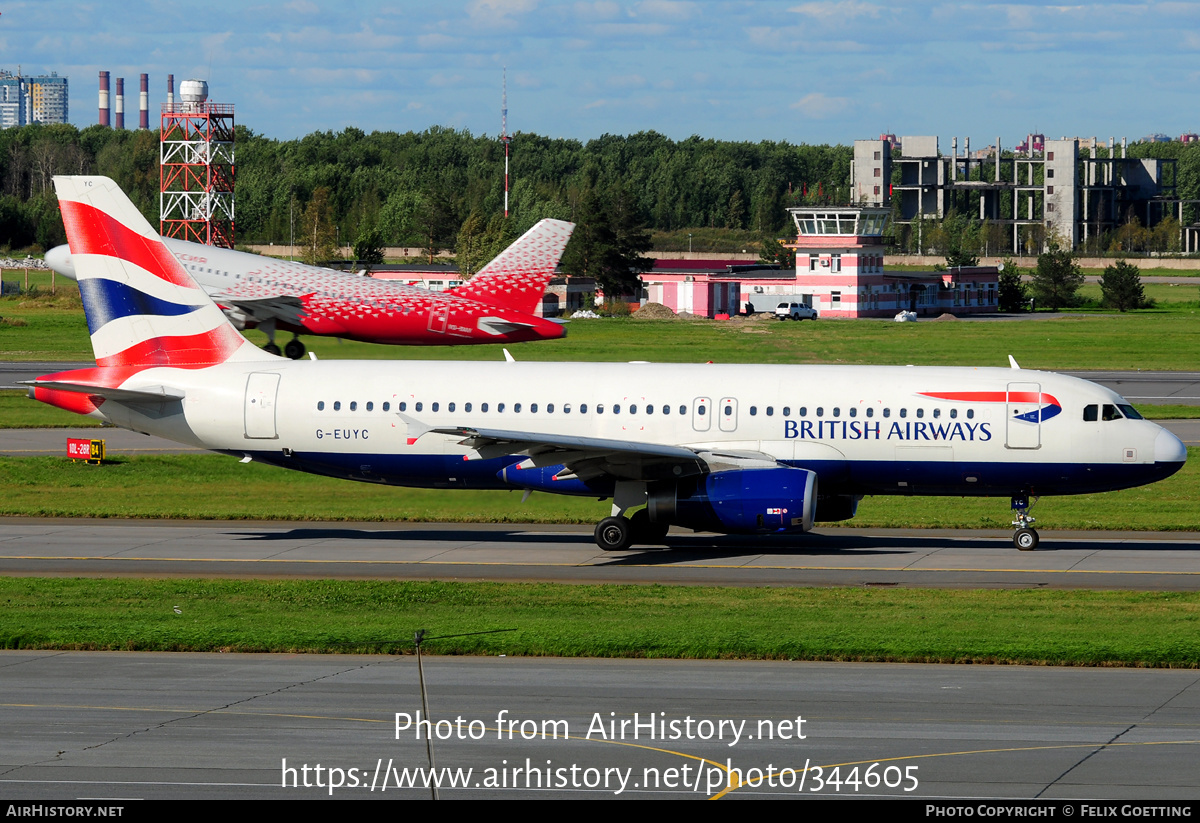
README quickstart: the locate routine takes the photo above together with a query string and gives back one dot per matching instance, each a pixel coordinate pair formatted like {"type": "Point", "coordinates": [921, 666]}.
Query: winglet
{"type": "Point", "coordinates": [508, 358]}
{"type": "Point", "coordinates": [1012, 362]}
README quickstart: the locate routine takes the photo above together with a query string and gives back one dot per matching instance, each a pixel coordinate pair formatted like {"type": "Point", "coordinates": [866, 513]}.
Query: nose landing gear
{"type": "Point", "coordinates": [1025, 538]}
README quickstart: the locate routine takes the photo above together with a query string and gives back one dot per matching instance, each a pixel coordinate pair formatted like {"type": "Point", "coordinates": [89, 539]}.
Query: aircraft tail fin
{"type": "Point", "coordinates": [516, 279]}
{"type": "Point", "coordinates": [142, 308]}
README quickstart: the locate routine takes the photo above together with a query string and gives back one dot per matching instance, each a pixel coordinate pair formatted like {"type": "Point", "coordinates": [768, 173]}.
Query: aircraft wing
{"type": "Point", "coordinates": [284, 308]}
{"type": "Point", "coordinates": [589, 457]}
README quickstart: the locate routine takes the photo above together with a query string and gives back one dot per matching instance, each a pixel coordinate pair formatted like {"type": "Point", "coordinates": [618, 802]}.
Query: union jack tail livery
{"type": "Point", "coordinates": [143, 309]}
{"type": "Point", "coordinates": [516, 278]}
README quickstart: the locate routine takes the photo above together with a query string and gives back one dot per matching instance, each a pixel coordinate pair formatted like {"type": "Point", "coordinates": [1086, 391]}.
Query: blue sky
{"type": "Point", "coordinates": [806, 72]}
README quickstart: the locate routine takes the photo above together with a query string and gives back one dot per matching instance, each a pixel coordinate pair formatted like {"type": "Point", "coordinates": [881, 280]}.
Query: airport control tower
{"type": "Point", "coordinates": [196, 168]}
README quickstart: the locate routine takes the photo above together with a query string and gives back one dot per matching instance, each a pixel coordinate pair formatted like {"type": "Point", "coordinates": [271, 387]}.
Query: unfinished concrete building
{"type": "Point", "coordinates": [1027, 196]}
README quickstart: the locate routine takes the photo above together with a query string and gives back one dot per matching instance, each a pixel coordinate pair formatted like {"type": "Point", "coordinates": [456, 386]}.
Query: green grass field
{"type": "Point", "coordinates": [909, 625]}
{"type": "Point", "coordinates": [1166, 338]}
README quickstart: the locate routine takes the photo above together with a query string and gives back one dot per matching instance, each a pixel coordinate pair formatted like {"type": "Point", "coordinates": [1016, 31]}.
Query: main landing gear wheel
{"type": "Point", "coordinates": [271, 348]}
{"type": "Point", "coordinates": [1025, 540]}
{"type": "Point", "coordinates": [294, 349]}
{"type": "Point", "coordinates": [614, 534]}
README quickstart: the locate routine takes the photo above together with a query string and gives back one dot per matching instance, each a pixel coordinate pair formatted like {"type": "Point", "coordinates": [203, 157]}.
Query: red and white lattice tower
{"type": "Point", "coordinates": [504, 137]}
{"type": "Point", "coordinates": [196, 168]}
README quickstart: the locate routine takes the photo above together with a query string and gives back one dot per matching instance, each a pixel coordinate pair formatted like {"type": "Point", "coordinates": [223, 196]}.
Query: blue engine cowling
{"type": "Point", "coordinates": [739, 501]}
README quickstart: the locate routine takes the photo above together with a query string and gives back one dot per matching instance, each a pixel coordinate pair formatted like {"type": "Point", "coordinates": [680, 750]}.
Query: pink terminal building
{"type": "Point", "coordinates": [839, 272]}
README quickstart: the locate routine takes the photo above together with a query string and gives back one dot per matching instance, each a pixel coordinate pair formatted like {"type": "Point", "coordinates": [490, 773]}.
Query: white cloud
{"type": "Point", "coordinates": [833, 11]}
{"type": "Point", "coordinates": [819, 106]}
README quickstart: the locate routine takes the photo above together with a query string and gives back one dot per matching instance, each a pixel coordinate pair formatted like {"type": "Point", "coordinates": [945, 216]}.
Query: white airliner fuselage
{"type": "Point", "coordinates": [729, 448]}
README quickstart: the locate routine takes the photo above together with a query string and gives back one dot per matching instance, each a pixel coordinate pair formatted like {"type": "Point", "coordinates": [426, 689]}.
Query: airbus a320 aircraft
{"type": "Point", "coordinates": [738, 449]}
{"type": "Point", "coordinates": [494, 306]}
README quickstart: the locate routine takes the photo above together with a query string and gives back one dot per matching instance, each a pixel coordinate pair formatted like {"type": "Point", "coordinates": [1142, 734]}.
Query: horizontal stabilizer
{"type": "Point", "coordinates": [149, 394]}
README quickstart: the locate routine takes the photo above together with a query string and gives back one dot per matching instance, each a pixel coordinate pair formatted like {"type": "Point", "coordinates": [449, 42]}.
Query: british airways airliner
{"type": "Point", "coordinates": [495, 306]}
{"type": "Point", "coordinates": [734, 449]}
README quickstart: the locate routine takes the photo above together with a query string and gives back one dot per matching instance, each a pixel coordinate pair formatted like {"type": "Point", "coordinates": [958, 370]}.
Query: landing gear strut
{"type": "Point", "coordinates": [618, 532]}
{"type": "Point", "coordinates": [1025, 538]}
{"type": "Point", "coordinates": [267, 327]}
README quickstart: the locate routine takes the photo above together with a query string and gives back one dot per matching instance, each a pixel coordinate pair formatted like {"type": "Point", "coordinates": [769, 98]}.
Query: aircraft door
{"type": "Point", "coordinates": [702, 414]}
{"type": "Point", "coordinates": [261, 391]}
{"type": "Point", "coordinates": [727, 409]}
{"type": "Point", "coordinates": [1023, 424]}
{"type": "Point", "coordinates": [439, 314]}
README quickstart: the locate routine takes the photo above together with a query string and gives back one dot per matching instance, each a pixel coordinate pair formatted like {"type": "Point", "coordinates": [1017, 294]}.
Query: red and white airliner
{"type": "Point", "coordinates": [495, 306]}
{"type": "Point", "coordinates": [749, 449]}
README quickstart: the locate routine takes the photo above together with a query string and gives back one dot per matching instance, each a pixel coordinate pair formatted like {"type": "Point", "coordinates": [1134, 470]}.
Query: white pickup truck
{"type": "Point", "coordinates": [795, 311]}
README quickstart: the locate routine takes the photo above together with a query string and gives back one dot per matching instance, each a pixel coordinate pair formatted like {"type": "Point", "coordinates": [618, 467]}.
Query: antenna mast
{"type": "Point", "coordinates": [504, 138]}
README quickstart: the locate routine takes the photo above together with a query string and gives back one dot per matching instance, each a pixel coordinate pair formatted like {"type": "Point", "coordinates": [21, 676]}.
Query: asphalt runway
{"type": "Point", "coordinates": [420, 551]}
{"type": "Point", "coordinates": [205, 726]}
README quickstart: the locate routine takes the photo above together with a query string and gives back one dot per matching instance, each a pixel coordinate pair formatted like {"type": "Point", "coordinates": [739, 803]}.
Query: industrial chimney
{"type": "Point", "coordinates": [119, 109]}
{"type": "Point", "coordinates": [103, 98]}
{"type": "Point", "coordinates": [144, 103]}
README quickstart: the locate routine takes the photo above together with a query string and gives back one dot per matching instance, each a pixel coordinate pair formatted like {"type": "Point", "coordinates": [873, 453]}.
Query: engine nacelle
{"type": "Point", "coordinates": [739, 501]}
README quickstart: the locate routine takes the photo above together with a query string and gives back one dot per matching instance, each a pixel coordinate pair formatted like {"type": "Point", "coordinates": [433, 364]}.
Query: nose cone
{"type": "Point", "coordinates": [1168, 448]}
{"type": "Point", "coordinates": [59, 259]}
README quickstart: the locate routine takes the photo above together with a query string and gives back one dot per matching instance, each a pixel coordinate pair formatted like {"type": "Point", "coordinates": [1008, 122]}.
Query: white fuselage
{"type": "Point", "coordinates": [863, 430]}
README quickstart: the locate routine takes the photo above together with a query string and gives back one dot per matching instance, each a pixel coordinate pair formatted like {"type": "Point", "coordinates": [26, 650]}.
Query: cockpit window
{"type": "Point", "coordinates": [1129, 411]}
{"type": "Point", "coordinates": [1110, 412]}
{"type": "Point", "coordinates": [1091, 413]}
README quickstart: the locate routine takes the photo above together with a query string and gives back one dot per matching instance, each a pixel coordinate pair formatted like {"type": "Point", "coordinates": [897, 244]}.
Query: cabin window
{"type": "Point", "coordinates": [466, 407]}
{"type": "Point", "coordinates": [499, 408]}
{"type": "Point", "coordinates": [853, 412]}
{"type": "Point", "coordinates": [403, 406]}
{"type": "Point", "coordinates": [633, 409]}
{"type": "Point", "coordinates": [419, 406]}
{"type": "Point", "coordinates": [953, 414]}
{"type": "Point", "coordinates": [449, 407]}
{"type": "Point", "coordinates": [370, 406]}
{"type": "Point", "coordinates": [583, 408]}
{"type": "Point", "coordinates": [870, 412]}
{"type": "Point", "coordinates": [937, 413]}
{"type": "Point", "coordinates": [337, 405]}
{"type": "Point", "coordinates": [566, 408]}
{"type": "Point", "coordinates": [387, 406]}
{"type": "Point", "coordinates": [683, 409]}
{"type": "Point", "coordinates": [970, 414]}
{"type": "Point", "coordinates": [701, 410]}
{"type": "Point", "coordinates": [533, 408]}
{"type": "Point", "coordinates": [320, 405]}
{"type": "Point", "coordinates": [904, 412]}
{"type": "Point", "coordinates": [483, 407]}
{"type": "Point", "coordinates": [649, 409]}
{"type": "Point", "coordinates": [599, 408]}
{"type": "Point", "coordinates": [820, 411]}
{"type": "Point", "coordinates": [920, 413]}
{"type": "Point", "coordinates": [516, 408]}
{"type": "Point", "coordinates": [770, 411]}
{"type": "Point", "coordinates": [837, 412]}
{"type": "Point", "coordinates": [433, 406]}
{"type": "Point", "coordinates": [667, 409]}
{"type": "Point", "coordinates": [549, 408]}
{"type": "Point", "coordinates": [753, 410]}
{"type": "Point", "coordinates": [616, 408]}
